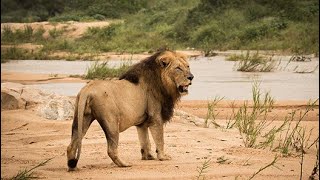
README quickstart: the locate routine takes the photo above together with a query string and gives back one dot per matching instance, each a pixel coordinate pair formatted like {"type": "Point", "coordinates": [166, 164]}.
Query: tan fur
{"type": "Point", "coordinates": [144, 97]}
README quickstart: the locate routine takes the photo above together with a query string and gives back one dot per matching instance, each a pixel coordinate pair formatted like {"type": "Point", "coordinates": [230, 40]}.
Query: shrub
{"type": "Point", "coordinates": [246, 121]}
{"type": "Point", "coordinates": [102, 70]}
{"type": "Point", "coordinates": [254, 63]}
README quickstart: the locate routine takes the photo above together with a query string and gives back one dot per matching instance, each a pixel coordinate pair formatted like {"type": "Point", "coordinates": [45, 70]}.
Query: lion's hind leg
{"type": "Point", "coordinates": [111, 131]}
{"type": "Point", "coordinates": [73, 146]}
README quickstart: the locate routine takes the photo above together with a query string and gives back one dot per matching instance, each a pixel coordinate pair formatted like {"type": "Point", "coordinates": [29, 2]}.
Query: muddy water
{"type": "Point", "coordinates": [214, 77]}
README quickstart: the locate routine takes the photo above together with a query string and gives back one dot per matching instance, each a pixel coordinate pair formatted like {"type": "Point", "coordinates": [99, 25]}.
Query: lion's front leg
{"type": "Point", "coordinates": [157, 134]}
{"type": "Point", "coordinates": [145, 143]}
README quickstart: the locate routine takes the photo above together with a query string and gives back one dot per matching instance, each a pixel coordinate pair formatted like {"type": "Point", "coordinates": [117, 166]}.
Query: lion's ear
{"type": "Point", "coordinates": [164, 62]}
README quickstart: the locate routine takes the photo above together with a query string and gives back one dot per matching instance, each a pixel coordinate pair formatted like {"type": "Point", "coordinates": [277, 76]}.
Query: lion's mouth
{"type": "Point", "coordinates": [183, 89]}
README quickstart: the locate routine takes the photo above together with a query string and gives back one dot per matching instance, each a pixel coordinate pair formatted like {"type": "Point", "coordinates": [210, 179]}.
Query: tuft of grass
{"type": "Point", "coordinates": [235, 57]}
{"type": "Point", "coordinates": [211, 114]}
{"type": "Point", "coordinates": [246, 120]}
{"type": "Point", "coordinates": [103, 70]}
{"type": "Point", "coordinates": [296, 138]}
{"type": "Point", "coordinates": [25, 35]}
{"type": "Point", "coordinates": [231, 122]}
{"type": "Point", "coordinates": [202, 170]}
{"type": "Point", "coordinates": [14, 53]}
{"type": "Point", "coordinates": [315, 171]}
{"type": "Point", "coordinates": [55, 33]}
{"type": "Point", "coordinates": [252, 124]}
{"type": "Point", "coordinates": [265, 167]}
{"type": "Point", "coordinates": [253, 63]}
{"type": "Point", "coordinates": [28, 173]}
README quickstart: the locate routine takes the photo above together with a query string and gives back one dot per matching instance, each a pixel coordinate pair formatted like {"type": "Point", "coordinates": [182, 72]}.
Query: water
{"type": "Point", "coordinates": [50, 66]}
{"type": "Point", "coordinates": [213, 77]}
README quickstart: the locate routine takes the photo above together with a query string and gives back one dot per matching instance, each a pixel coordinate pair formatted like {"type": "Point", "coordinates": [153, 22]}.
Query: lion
{"type": "Point", "coordinates": [144, 97]}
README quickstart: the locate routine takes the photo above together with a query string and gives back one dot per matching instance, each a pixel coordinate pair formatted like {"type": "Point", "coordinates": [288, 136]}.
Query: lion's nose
{"type": "Point", "coordinates": [190, 77]}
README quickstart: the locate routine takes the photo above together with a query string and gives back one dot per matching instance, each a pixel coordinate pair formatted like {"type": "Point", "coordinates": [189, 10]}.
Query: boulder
{"type": "Point", "coordinates": [48, 105]}
{"type": "Point", "coordinates": [58, 108]}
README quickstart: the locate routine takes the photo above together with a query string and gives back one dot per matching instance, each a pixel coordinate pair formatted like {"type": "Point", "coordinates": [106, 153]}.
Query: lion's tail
{"type": "Point", "coordinates": [81, 108]}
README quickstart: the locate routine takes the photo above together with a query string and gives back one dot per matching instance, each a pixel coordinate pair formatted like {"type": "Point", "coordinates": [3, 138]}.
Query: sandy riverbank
{"type": "Point", "coordinates": [27, 140]}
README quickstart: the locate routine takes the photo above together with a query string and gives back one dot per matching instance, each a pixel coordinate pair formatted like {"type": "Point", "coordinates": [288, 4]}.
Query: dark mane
{"type": "Point", "coordinates": [148, 71]}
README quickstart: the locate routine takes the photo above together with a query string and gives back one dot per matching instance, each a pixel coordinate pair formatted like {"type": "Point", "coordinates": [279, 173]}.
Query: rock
{"type": "Point", "coordinates": [47, 105]}
{"type": "Point", "coordinates": [11, 100]}
{"type": "Point", "coordinates": [58, 108]}
{"type": "Point", "coordinates": [11, 96]}
{"type": "Point", "coordinates": [186, 117]}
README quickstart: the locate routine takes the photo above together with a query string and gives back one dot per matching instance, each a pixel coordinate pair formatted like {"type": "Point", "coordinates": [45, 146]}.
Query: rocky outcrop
{"type": "Point", "coordinates": [47, 105]}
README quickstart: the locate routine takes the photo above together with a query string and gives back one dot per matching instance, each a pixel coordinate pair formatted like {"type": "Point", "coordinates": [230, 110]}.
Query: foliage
{"type": "Point", "coordinates": [28, 173]}
{"type": "Point", "coordinates": [102, 70]}
{"type": "Point", "coordinates": [254, 63]}
{"type": "Point", "coordinates": [202, 170]}
{"type": "Point", "coordinates": [246, 121]}
{"type": "Point", "coordinates": [59, 10]}
{"type": "Point", "coordinates": [211, 114]}
{"type": "Point", "coordinates": [252, 124]}
{"type": "Point", "coordinates": [265, 167]}
{"type": "Point", "coordinates": [27, 34]}
{"type": "Point", "coordinates": [202, 24]}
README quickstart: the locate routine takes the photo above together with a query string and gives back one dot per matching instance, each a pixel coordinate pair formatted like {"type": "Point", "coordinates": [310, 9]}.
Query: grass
{"type": "Point", "coordinates": [253, 63]}
{"type": "Point", "coordinates": [246, 121]}
{"type": "Point", "coordinates": [211, 114]}
{"type": "Point", "coordinates": [295, 137]}
{"type": "Point", "coordinates": [231, 122]}
{"type": "Point", "coordinates": [265, 167]}
{"type": "Point", "coordinates": [102, 70]}
{"type": "Point", "coordinates": [25, 35]}
{"type": "Point", "coordinates": [14, 53]}
{"type": "Point", "coordinates": [29, 173]}
{"type": "Point", "coordinates": [202, 169]}
{"type": "Point", "coordinates": [252, 124]}
{"type": "Point", "coordinates": [315, 170]}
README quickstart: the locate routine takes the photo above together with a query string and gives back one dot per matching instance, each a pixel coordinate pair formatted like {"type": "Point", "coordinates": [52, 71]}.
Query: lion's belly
{"type": "Point", "coordinates": [121, 101]}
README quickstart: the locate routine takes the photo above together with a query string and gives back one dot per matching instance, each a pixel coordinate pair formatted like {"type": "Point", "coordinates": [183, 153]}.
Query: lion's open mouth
{"type": "Point", "coordinates": [183, 89]}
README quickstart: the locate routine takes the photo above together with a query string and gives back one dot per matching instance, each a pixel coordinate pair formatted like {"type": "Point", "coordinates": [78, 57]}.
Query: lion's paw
{"type": "Point", "coordinates": [164, 157]}
{"type": "Point", "coordinates": [126, 165]}
{"type": "Point", "coordinates": [148, 157]}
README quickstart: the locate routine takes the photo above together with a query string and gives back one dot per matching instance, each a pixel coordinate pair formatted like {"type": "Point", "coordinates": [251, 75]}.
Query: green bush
{"type": "Point", "coordinates": [103, 70]}
{"type": "Point", "coordinates": [254, 63]}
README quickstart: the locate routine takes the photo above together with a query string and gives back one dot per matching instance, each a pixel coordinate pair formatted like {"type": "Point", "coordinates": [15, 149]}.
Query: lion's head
{"type": "Point", "coordinates": [165, 75]}
{"type": "Point", "coordinates": [175, 72]}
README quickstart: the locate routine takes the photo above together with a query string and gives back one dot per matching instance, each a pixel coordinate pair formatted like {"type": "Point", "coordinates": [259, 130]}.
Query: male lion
{"type": "Point", "coordinates": [144, 97]}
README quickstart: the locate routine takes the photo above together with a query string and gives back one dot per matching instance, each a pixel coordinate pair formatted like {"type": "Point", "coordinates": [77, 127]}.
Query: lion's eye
{"type": "Point", "coordinates": [178, 69]}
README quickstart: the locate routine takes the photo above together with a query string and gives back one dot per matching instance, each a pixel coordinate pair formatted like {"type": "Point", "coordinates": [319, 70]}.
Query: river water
{"type": "Point", "coordinates": [214, 77]}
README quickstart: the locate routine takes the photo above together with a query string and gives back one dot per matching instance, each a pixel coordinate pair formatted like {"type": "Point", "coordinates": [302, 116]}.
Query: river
{"type": "Point", "coordinates": [214, 77]}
